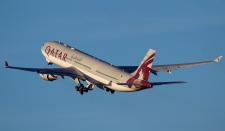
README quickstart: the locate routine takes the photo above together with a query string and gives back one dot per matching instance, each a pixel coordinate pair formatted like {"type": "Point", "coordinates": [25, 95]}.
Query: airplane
{"type": "Point", "coordinates": [89, 72]}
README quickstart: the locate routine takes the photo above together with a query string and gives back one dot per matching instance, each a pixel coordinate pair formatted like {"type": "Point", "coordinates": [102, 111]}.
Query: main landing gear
{"type": "Point", "coordinates": [109, 90]}
{"type": "Point", "coordinates": [89, 87]}
{"type": "Point", "coordinates": [81, 89]}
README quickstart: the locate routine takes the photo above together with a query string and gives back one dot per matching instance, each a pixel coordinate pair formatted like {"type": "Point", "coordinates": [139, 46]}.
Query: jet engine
{"type": "Point", "coordinates": [48, 77]}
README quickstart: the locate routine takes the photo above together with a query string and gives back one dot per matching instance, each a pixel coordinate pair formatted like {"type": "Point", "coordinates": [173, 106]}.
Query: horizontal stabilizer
{"type": "Point", "coordinates": [167, 83]}
{"type": "Point", "coordinates": [156, 83]}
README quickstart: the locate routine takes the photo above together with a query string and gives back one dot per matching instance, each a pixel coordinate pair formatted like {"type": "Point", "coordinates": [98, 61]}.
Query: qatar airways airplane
{"type": "Point", "coordinates": [89, 72]}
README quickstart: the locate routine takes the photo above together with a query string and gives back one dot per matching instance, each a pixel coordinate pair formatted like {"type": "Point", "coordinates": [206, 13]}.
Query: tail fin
{"type": "Point", "coordinates": [141, 75]}
{"type": "Point", "coordinates": [143, 71]}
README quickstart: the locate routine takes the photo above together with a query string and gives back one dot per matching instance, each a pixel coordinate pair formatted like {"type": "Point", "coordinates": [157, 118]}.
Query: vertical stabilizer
{"type": "Point", "coordinates": [143, 71]}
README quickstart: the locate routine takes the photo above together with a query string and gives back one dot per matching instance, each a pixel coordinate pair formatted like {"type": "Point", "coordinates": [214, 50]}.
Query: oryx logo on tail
{"type": "Point", "coordinates": [141, 75]}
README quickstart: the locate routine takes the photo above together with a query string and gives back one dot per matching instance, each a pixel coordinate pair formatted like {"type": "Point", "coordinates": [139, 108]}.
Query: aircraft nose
{"type": "Point", "coordinates": [43, 47]}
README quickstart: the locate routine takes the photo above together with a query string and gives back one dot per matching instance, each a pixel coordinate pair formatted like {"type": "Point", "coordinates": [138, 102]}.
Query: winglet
{"type": "Point", "coordinates": [6, 64]}
{"type": "Point", "coordinates": [218, 59]}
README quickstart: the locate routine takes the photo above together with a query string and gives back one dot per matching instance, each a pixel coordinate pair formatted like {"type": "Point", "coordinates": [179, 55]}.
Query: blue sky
{"type": "Point", "coordinates": [119, 32]}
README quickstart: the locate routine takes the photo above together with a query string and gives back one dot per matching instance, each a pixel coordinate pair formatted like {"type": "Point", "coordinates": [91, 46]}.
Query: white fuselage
{"type": "Point", "coordinates": [67, 57]}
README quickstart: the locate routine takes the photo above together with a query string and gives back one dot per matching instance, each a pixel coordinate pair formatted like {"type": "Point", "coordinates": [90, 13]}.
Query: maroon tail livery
{"type": "Point", "coordinates": [141, 75]}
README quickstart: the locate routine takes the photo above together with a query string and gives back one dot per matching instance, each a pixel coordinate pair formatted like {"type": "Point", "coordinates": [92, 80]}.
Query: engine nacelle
{"type": "Point", "coordinates": [48, 77]}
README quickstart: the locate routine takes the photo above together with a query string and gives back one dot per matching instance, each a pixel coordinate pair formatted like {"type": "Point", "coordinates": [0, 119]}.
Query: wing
{"type": "Point", "coordinates": [170, 67]}
{"type": "Point", "coordinates": [71, 72]}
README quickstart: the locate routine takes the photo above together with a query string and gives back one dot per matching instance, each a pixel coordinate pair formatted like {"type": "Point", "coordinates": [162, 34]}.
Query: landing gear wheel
{"type": "Point", "coordinates": [85, 90]}
{"type": "Point", "coordinates": [112, 91]}
{"type": "Point", "coordinates": [77, 88]}
{"type": "Point", "coordinates": [81, 88]}
{"type": "Point", "coordinates": [81, 91]}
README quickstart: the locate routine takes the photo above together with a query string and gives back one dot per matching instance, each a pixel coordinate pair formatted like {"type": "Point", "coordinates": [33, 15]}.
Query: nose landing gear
{"type": "Point", "coordinates": [49, 63]}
